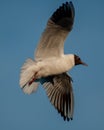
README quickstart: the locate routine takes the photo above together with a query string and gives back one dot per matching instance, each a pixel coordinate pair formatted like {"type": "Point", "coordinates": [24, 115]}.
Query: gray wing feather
{"type": "Point", "coordinates": [60, 94]}
{"type": "Point", "coordinates": [57, 29]}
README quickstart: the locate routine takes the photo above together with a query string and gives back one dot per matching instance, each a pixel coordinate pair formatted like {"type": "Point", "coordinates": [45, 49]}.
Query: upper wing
{"type": "Point", "coordinates": [58, 27]}
{"type": "Point", "coordinates": [60, 93]}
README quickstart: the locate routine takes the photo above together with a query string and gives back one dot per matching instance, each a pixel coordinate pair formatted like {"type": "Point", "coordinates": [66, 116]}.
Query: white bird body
{"type": "Point", "coordinates": [46, 67]}
{"type": "Point", "coordinates": [55, 65]}
{"type": "Point", "coordinates": [52, 66]}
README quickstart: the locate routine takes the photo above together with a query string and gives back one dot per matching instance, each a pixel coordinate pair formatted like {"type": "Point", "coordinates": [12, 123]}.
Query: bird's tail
{"type": "Point", "coordinates": [27, 78]}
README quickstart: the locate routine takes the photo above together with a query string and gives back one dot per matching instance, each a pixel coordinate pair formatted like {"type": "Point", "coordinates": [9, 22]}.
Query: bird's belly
{"type": "Point", "coordinates": [53, 67]}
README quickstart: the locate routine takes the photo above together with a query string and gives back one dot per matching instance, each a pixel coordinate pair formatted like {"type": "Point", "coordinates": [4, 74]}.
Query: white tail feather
{"type": "Point", "coordinates": [27, 73]}
{"type": "Point", "coordinates": [28, 89]}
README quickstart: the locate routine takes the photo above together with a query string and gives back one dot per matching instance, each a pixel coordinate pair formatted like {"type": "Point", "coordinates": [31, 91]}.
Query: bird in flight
{"type": "Point", "coordinates": [50, 65]}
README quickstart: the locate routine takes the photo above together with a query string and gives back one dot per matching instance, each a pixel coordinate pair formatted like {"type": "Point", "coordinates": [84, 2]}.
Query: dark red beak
{"type": "Point", "coordinates": [83, 63]}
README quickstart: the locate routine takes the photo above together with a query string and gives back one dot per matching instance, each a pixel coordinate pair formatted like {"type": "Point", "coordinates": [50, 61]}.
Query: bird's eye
{"type": "Point", "coordinates": [79, 58]}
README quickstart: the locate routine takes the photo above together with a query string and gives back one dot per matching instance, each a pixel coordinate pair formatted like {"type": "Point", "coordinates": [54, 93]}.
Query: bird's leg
{"type": "Point", "coordinates": [33, 79]}
{"type": "Point", "coordinates": [36, 76]}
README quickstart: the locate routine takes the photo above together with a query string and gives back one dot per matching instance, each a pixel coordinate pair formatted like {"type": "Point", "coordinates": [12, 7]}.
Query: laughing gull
{"type": "Point", "coordinates": [50, 65]}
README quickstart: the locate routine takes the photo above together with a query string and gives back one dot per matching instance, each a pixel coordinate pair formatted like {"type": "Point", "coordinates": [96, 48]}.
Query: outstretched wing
{"type": "Point", "coordinates": [58, 27]}
{"type": "Point", "coordinates": [60, 93]}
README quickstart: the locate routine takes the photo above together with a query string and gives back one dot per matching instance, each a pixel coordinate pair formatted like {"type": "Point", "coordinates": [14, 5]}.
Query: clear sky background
{"type": "Point", "coordinates": [21, 25]}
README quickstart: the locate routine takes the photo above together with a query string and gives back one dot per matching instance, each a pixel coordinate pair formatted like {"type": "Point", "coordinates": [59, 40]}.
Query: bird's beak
{"type": "Point", "coordinates": [83, 63]}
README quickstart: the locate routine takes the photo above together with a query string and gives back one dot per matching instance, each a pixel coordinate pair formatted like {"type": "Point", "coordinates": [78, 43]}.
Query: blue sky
{"type": "Point", "coordinates": [21, 25]}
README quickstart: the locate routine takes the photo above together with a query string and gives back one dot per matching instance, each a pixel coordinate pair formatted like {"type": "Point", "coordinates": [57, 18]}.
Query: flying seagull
{"type": "Point", "coordinates": [50, 65]}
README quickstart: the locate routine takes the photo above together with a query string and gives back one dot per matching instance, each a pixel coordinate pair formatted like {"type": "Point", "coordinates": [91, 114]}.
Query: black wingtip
{"type": "Point", "coordinates": [64, 15]}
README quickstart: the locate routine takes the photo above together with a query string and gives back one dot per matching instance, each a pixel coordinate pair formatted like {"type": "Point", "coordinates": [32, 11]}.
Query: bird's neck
{"type": "Point", "coordinates": [69, 59]}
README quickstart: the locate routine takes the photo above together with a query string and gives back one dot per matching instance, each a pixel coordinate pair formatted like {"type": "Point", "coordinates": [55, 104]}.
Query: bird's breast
{"type": "Point", "coordinates": [53, 66]}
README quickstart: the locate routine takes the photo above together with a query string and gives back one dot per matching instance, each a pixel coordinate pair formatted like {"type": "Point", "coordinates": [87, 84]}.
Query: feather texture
{"type": "Point", "coordinates": [57, 29]}
{"type": "Point", "coordinates": [60, 94]}
{"type": "Point", "coordinates": [28, 71]}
